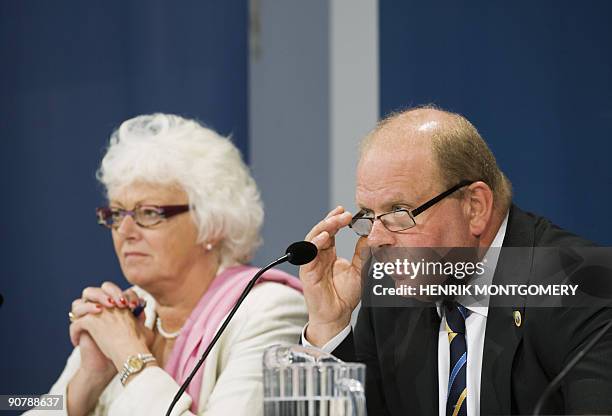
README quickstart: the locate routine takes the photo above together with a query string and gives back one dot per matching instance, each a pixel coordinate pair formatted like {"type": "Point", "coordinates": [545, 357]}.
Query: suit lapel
{"type": "Point", "coordinates": [503, 336]}
{"type": "Point", "coordinates": [416, 359]}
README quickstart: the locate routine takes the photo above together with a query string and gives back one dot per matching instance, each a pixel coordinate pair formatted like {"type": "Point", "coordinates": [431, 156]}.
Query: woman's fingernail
{"type": "Point", "coordinates": [123, 301]}
{"type": "Point", "coordinates": [111, 301]}
{"type": "Point", "coordinates": [133, 304]}
{"type": "Point", "coordinates": [98, 306]}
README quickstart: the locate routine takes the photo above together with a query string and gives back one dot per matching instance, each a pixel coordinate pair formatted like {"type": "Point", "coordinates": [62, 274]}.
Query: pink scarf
{"type": "Point", "coordinates": [200, 327]}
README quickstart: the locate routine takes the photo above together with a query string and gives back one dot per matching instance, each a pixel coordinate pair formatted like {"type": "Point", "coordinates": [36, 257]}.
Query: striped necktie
{"type": "Point", "coordinates": [456, 403]}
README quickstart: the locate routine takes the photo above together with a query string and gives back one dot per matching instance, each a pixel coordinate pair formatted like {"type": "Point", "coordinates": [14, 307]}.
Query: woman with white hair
{"type": "Point", "coordinates": [185, 217]}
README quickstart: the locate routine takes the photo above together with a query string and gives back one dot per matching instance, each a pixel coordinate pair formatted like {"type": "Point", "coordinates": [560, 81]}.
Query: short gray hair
{"type": "Point", "coordinates": [460, 152]}
{"type": "Point", "coordinates": [169, 149]}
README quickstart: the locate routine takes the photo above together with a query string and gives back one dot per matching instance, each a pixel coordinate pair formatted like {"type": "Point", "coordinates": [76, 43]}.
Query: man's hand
{"type": "Point", "coordinates": [332, 285]}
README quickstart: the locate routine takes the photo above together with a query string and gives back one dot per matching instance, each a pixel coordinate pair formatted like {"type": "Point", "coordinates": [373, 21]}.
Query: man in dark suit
{"type": "Point", "coordinates": [427, 179]}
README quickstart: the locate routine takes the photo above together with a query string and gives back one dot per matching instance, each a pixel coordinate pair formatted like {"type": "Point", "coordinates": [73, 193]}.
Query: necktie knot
{"type": "Point", "coordinates": [456, 315]}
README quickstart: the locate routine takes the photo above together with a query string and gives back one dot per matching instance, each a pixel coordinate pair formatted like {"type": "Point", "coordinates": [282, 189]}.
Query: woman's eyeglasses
{"type": "Point", "coordinates": [145, 216]}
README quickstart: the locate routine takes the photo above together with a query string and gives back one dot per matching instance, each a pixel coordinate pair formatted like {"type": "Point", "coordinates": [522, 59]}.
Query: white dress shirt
{"type": "Point", "coordinates": [475, 326]}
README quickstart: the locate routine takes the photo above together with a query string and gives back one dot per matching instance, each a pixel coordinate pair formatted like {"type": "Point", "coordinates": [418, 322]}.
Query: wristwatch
{"type": "Point", "coordinates": [134, 364]}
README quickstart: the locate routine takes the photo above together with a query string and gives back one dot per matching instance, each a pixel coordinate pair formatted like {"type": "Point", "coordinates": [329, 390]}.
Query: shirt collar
{"type": "Point", "coordinates": [480, 304]}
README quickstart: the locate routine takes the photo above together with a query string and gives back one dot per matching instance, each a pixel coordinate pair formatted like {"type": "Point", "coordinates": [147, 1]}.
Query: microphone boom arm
{"type": "Point", "coordinates": [244, 294]}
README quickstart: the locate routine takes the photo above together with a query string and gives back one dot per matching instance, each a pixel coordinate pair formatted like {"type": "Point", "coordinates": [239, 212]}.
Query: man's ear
{"type": "Point", "coordinates": [479, 207]}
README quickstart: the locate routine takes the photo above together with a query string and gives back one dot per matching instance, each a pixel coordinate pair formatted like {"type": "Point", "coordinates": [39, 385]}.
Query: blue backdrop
{"type": "Point", "coordinates": [536, 80]}
{"type": "Point", "coordinates": [71, 72]}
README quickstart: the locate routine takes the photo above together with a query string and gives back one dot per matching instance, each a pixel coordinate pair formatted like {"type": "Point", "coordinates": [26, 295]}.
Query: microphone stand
{"type": "Point", "coordinates": [245, 292]}
{"type": "Point", "coordinates": [557, 380]}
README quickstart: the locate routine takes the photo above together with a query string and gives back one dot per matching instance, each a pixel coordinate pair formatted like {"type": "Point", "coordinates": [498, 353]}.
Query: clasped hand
{"type": "Point", "coordinates": [106, 330]}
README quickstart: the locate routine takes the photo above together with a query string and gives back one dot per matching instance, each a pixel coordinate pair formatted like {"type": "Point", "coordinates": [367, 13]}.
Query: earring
{"type": "Point", "coordinates": [209, 247]}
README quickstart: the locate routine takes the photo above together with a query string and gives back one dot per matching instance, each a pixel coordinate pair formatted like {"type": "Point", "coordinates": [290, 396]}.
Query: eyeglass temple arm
{"type": "Point", "coordinates": [438, 198]}
{"type": "Point", "coordinates": [169, 211]}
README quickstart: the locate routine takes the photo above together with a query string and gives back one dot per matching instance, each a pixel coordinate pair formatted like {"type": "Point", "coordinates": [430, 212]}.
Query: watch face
{"type": "Point", "coordinates": [135, 363]}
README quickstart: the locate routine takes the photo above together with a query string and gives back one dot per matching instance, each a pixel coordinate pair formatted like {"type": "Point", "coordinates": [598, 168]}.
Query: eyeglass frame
{"type": "Point", "coordinates": [412, 213]}
{"type": "Point", "coordinates": [166, 211]}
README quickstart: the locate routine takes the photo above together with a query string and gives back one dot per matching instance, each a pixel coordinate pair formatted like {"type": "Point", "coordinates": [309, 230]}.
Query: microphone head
{"type": "Point", "coordinates": [301, 252]}
{"type": "Point", "coordinates": [591, 270]}
{"type": "Point", "coordinates": [594, 280]}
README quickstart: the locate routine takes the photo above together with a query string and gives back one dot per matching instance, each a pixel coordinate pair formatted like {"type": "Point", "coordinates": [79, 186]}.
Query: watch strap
{"type": "Point", "coordinates": [128, 368]}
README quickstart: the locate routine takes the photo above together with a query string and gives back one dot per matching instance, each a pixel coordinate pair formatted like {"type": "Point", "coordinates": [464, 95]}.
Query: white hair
{"type": "Point", "coordinates": [168, 149]}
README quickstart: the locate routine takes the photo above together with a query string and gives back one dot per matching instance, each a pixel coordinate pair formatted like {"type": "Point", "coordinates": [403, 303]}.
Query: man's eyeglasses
{"type": "Point", "coordinates": [145, 216]}
{"type": "Point", "coordinates": [399, 219]}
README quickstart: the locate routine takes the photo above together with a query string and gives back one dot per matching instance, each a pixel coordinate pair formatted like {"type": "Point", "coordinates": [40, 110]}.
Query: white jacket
{"type": "Point", "coordinates": [232, 382]}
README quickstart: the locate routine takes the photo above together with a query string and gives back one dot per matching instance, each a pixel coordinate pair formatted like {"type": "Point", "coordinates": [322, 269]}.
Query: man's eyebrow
{"type": "Point", "coordinates": [389, 205]}
{"type": "Point", "coordinates": [403, 202]}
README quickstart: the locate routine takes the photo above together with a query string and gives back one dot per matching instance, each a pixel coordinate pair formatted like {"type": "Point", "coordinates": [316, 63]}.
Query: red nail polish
{"type": "Point", "coordinates": [111, 301]}
{"type": "Point", "coordinates": [133, 304]}
{"type": "Point", "coordinates": [98, 306]}
{"type": "Point", "coordinates": [123, 301]}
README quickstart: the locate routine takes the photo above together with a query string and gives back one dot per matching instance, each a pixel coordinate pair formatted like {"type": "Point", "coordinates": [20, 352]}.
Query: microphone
{"type": "Point", "coordinates": [301, 252]}
{"type": "Point", "coordinates": [557, 380]}
{"type": "Point", "coordinates": [298, 253]}
{"type": "Point", "coordinates": [594, 279]}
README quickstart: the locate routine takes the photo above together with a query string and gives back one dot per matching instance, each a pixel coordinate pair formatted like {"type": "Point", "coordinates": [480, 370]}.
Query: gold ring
{"type": "Point", "coordinates": [71, 316]}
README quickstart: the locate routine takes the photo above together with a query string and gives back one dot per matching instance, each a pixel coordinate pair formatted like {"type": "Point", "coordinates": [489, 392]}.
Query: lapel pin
{"type": "Point", "coordinates": [517, 318]}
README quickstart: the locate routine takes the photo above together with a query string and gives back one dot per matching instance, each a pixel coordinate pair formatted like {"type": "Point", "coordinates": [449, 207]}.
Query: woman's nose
{"type": "Point", "coordinates": [127, 226]}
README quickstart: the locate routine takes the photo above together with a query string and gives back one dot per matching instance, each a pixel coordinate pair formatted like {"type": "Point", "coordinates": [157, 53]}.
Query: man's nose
{"type": "Point", "coordinates": [379, 236]}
